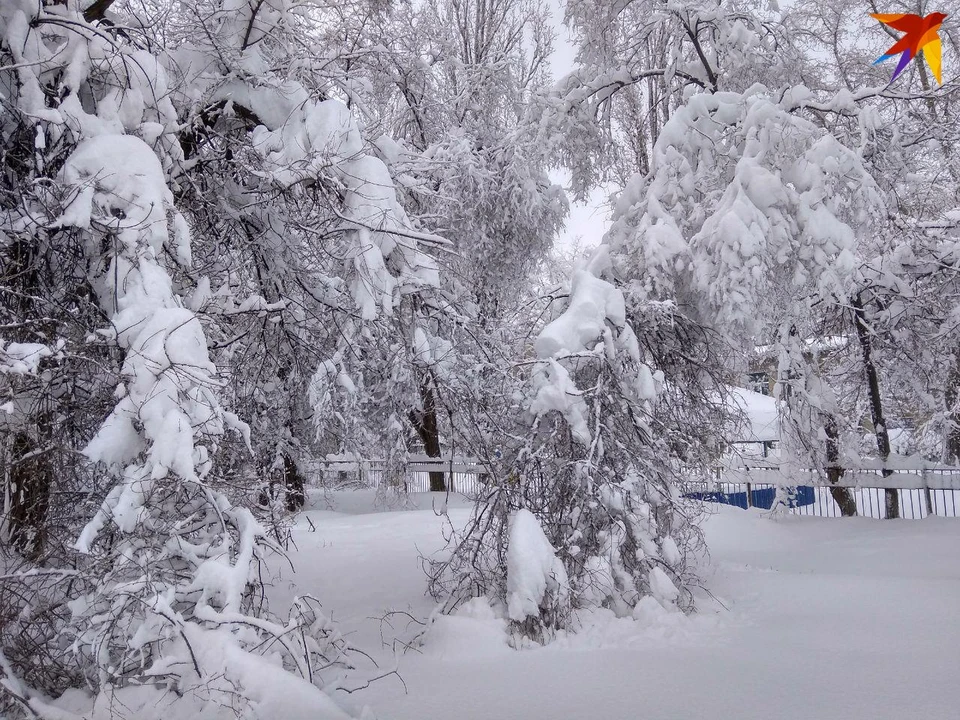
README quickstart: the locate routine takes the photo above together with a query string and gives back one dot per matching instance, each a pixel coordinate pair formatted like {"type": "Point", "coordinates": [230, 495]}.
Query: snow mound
{"type": "Point", "coordinates": [269, 691]}
{"type": "Point", "coordinates": [761, 415]}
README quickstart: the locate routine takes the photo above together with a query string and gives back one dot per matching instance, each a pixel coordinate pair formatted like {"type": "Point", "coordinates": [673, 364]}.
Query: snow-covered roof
{"type": "Point", "coordinates": [762, 420]}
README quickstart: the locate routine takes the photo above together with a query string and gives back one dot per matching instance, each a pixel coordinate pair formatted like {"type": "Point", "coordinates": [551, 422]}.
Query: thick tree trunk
{"type": "Point", "coordinates": [876, 404]}
{"type": "Point", "coordinates": [427, 427]}
{"type": "Point", "coordinates": [290, 482]}
{"type": "Point", "coordinates": [841, 495]}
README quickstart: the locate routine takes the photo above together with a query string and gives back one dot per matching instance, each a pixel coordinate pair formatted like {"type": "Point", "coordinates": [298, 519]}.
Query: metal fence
{"type": "Point", "coordinates": [461, 475]}
{"type": "Point", "coordinates": [915, 503]}
{"type": "Point", "coordinates": [923, 492]}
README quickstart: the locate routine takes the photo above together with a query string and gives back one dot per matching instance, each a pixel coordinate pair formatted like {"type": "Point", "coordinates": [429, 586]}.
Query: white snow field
{"type": "Point", "coordinates": [813, 619]}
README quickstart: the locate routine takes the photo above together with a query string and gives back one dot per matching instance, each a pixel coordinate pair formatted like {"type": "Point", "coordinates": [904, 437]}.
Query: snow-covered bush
{"type": "Point", "coordinates": [598, 466]}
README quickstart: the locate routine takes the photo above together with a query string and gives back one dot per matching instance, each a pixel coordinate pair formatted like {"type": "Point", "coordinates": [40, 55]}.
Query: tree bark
{"type": "Point", "coordinates": [427, 427]}
{"type": "Point", "coordinates": [892, 498]}
{"type": "Point", "coordinates": [294, 485]}
{"type": "Point", "coordinates": [835, 471]}
{"type": "Point", "coordinates": [97, 11]}
{"type": "Point", "coordinates": [290, 482]}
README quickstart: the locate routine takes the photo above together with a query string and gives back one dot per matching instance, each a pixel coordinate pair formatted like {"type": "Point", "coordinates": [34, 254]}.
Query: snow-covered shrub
{"type": "Point", "coordinates": [598, 465]}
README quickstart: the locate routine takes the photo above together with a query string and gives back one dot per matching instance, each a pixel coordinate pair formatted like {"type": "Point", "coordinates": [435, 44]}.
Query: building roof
{"type": "Point", "coordinates": [761, 421]}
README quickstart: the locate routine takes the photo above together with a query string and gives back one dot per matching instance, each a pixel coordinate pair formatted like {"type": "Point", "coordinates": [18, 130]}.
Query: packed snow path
{"type": "Point", "coordinates": [825, 618]}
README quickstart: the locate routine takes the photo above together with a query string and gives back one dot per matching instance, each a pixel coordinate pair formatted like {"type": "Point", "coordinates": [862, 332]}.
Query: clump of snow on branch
{"type": "Point", "coordinates": [22, 358]}
{"type": "Point", "coordinates": [592, 303]}
{"type": "Point", "coordinates": [556, 391]}
{"type": "Point", "coordinates": [321, 139]}
{"type": "Point", "coordinates": [536, 579]}
{"type": "Point", "coordinates": [745, 198]}
{"type": "Point", "coordinates": [167, 397]}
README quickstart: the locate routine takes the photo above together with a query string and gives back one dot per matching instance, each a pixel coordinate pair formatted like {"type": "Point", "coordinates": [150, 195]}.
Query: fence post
{"type": "Point", "coordinates": [926, 491]}
{"type": "Point", "coordinates": [749, 497]}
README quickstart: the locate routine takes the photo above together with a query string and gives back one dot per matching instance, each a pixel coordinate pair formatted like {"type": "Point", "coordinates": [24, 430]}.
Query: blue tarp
{"type": "Point", "coordinates": [762, 498]}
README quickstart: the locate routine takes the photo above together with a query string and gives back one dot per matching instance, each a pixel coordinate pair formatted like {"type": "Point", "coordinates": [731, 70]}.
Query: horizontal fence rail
{"type": "Point", "coordinates": [940, 478]}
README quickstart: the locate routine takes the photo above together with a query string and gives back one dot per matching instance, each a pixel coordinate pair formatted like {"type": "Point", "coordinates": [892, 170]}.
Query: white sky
{"type": "Point", "coordinates": [587, 221]}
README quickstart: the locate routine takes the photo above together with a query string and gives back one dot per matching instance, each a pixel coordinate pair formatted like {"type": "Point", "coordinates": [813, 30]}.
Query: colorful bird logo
{"type": "Point", "coordinates": [921, 34]}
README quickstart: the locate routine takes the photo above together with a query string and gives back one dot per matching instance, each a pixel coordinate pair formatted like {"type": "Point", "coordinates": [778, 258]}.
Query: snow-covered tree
{"type": "Point", "coordinates": [639, 61]}
{"type": "Point", "coordinates": [596, 461]}
{"type": "Point", "coordinates": [448, 84]}
{"type": "Point", "coordinates": [905, 134]}
{"type": "Point", "coordinates": [114, 155]}
{"type": "Point", "coordinates": [768, 210]}
{"type": "Point", "coordinates": [756, 217]}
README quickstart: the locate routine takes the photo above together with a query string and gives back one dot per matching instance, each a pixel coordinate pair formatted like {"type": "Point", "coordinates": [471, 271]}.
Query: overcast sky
{"type": "Point", "coordinates": [587, 221]}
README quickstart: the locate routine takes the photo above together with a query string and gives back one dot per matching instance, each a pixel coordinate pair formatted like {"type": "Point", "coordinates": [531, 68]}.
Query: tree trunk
{"type": "Point", "coordinates": [427, 427]}
{"type": "Point", "coordinates": [293, 485]}
{"type": "Point", "coordinates": [876, 406]}
{"type": "Point", "coordinates": [31, 471]}
{"type": "Point", "coordinates": [97, 11]}
{"type": "Point", "coordinates": [31, 478]}
{"type": "Point", "coordinates": [841, 495]}
{"type": "Point", "coordinates": [951, 450]}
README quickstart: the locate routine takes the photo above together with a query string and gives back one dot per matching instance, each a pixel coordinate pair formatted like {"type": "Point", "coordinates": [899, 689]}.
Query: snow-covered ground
{"type": "Point", "coordinates": [813, 618]}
